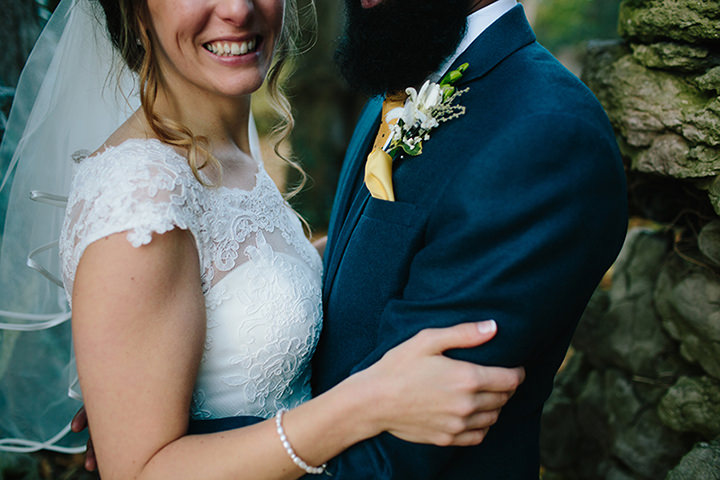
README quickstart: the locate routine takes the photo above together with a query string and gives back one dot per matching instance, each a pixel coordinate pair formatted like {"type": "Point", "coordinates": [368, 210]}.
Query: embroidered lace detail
{"type": "Point", "coordinates": [275, 294]}
{"type": "Point", "coordinates": [136, 188]}
{"type": "Point", "coordinates": [260, 275]}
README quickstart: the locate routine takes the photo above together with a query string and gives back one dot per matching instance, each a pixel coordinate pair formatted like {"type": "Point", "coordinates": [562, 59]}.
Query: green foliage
{"type": "Point", "coordinates": [563, 23]}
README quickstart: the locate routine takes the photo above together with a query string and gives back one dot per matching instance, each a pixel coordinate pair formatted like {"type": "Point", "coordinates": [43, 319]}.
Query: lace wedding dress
{"type": "Point", "coordinates": [261, 278]}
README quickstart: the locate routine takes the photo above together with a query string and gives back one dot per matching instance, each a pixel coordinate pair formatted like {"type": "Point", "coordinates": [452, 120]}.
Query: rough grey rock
{"type": "Point", "coordinates": [710, 81]}
{"type": "Point", "coordinates": [566, 450]}
{"type": "Point", "coordinates": [574, 439]}
{"type": "Point", "coordinates": [640, 398]}
{"type": "Point", "coordinates": [666, 123]}
{"type": "Point", "coordinates": [616, 472]}
{"type": "Point", "coordinates": [686, 298]}
{"type": "Point", "coordinates": [560, 433]}
{"type": "Point", "coordinates": [714, 194]}
{"type": "Point", "coordinates": [622, 404]}
{"type": "Point", "coordinates": [592, 408]}
{"type": "Point", "coordinates": [702, 126]}
{"type": "Point", "coordinates": [639, 440]}
{"type": "Point", "coordinates": [692, 405]}
{"type": "Point", "coordinates": [709, 242]}
{"type": "Point", "coordinates": [620, 327]}
{"type": "Point", "coordinates": [684, 20]}
{"type": "Point", "coordinates": [703, 462]}
{"type": "Point", "coordinates": [674, 56]}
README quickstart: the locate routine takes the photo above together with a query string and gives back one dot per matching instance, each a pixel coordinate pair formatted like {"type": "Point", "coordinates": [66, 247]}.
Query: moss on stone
{"type": "Point", "coordinates": [674, 56]}
{"type": "Point", "coordinates": [692, 405]}
{"type": "Point", "coordinates": [684, 20]}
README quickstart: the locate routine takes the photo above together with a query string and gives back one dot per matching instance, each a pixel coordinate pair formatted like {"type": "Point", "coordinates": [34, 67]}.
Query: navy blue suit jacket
{"type": "Point", "coordinates": [513, 212]}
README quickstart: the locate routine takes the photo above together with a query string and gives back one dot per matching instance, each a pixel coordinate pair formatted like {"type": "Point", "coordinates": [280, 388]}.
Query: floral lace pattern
{"type": "Point", "coordinates": [260, 275]}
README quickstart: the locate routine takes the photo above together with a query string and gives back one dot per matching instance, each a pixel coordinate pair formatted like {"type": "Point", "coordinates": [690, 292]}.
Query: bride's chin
{"type": "Point", "coordinates": [241, 88]}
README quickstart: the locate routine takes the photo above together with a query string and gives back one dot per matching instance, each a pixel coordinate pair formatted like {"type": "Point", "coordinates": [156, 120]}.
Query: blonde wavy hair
{"type": "Point", "coordinates": [125, 20]}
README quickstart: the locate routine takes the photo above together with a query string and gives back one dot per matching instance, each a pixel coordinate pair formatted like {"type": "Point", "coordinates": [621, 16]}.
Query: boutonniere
{"type": "Point", "coordinates": [424, 111]}
{"type": "Point", "coordinates": [410, 126]}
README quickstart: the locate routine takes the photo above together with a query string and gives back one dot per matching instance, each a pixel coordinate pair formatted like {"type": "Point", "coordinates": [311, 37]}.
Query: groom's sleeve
{"type": "Point", "coordinates": [522, 238]}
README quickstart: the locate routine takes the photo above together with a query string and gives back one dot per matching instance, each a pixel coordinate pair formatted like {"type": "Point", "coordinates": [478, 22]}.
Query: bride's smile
{"type": "Point", "coordinates": [223, 47]}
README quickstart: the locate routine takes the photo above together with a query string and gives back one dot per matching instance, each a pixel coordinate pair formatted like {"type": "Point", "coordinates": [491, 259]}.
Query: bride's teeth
{"type": "Point", "coordinates": [226, 49]}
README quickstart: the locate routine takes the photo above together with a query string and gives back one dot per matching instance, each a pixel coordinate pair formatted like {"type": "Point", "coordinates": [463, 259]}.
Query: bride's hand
{"type": "Point", "coordinates": [78, 424]}
{"type": "Point", "coordinates": [427, 397]}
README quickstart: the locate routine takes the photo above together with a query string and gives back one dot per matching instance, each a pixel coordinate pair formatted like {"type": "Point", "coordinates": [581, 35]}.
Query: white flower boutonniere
{"type": "Point", "coordinates": [424, 111]}
{"type": "Point", "coordinates": [409, 126]}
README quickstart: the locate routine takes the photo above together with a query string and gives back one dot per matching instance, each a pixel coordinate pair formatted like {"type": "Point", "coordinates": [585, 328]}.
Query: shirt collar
{"type": "Point", "coordinates": [477, 23]}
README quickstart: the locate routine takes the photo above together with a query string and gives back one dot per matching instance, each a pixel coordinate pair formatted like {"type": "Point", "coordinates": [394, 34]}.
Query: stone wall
{"type": "Point", "coordinates": [640, 396]}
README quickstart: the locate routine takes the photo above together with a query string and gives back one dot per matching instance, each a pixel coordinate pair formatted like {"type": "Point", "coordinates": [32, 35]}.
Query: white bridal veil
{"type": "Point", "coordinates": [72, 94]}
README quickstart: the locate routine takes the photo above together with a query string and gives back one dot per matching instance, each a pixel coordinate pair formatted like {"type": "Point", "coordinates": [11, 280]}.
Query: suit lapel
{"type": "Point", "coordinates": [347, 188]}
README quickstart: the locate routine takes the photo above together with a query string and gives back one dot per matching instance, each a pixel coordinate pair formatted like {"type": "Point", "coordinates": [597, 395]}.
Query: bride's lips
{"type": "Point", "coordinates": [370, 3]}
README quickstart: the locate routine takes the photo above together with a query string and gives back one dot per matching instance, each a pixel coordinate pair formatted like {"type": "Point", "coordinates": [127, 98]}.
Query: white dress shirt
{"type": "Point", "coordinates": [477, 22]}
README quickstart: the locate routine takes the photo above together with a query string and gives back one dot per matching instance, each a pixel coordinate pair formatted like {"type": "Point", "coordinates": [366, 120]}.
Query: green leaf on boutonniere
{"type": "Point", "coordinates": [448, 91]}
{"type": "Point", "coordinates": [414, 151]}
{"type": "Point", "coordinates": [452, 77]}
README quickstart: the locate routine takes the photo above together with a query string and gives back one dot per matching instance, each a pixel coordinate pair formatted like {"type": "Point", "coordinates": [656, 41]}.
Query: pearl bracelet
{"type": "Point", "coordinates": [288, 448]}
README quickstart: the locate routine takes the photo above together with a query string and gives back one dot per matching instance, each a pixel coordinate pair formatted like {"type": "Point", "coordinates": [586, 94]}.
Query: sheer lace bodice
{"type": "Point", "coordinates": [260, 276]}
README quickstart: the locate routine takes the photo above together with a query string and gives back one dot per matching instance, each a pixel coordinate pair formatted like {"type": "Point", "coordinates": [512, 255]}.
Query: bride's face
{"type": "Point", "coordinates": [219, 46]}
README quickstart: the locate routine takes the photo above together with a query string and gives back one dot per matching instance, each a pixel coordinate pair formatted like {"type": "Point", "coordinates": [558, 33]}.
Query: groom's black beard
{"type": "Point", "coordinates": [398, 43]}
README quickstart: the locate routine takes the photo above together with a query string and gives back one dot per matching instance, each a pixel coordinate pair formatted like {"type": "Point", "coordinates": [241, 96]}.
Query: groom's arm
{"type": "Point", "coordinates": [522, 239]}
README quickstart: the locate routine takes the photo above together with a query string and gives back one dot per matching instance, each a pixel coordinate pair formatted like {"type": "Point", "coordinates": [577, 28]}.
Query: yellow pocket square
{"type": "Point", "coordinates": [378, 175]}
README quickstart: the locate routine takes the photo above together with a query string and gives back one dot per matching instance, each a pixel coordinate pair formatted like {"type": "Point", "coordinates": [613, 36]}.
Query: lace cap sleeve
{"type": "Point", "coordinates": [140, 187]}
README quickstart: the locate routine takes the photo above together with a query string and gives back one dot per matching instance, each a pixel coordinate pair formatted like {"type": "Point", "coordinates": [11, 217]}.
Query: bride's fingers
{"type": "Point", "coordinates": [498, 379]}
{"type": "Point", "coordinates": [464, 335]}
{"type": "Point", "coordinates": [79, 421]}
{"type": "Point", "coordinates": [90, 460]}
{"type": "Point", "coordinates": [485, 401]}
{"type": "Point", "coordinates": [469, 438]}
{"type": "Point", "coordinates": [482, 420]}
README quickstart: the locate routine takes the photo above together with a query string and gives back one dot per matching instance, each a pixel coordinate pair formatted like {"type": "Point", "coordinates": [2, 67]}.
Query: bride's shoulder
{"type": "Point", "coordinates": [135, 151]}
{"type": "Point", "coordinates": [130, 152]}
{"type": "Point", "coordinates": [130, 161]}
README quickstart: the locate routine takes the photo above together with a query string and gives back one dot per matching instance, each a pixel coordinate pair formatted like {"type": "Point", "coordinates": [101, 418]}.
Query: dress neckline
{"type": "Point", "coordinates": [259, 173]}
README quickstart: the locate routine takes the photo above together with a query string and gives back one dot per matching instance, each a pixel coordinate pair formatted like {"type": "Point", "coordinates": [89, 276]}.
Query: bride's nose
{"type": "Point", "coordinates": [236, 12]}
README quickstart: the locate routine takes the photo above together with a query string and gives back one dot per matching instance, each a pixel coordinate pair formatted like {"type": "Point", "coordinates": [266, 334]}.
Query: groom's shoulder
{"type": "Point", "coordinates": [531, 114]}
{"type": "Point", "coordinates": [531, 81]}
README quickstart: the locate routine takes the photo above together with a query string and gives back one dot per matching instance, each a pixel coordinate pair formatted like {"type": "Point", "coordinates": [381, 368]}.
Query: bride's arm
{"type": "Point", "coordinates": [138, 330]}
